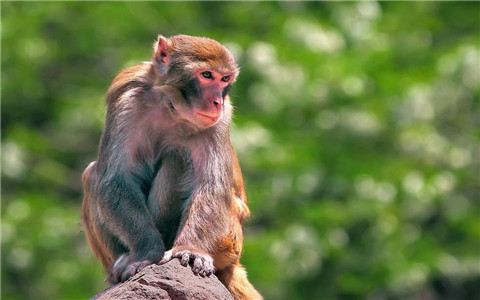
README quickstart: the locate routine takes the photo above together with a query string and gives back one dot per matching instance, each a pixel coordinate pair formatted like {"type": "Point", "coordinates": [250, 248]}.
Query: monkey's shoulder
{"type": "Point", "coordinates": [133, 78]}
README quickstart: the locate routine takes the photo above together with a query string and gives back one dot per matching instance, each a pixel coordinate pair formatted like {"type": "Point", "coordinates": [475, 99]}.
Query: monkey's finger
{"type": "Point", "coordinates": [181, 253]}
{"type": "Point", "coordinates": [209, 267]}
{"type": "Point", "coordinates": [198, 267]}
{"type": "Point", "coordinates": [185, 258]}
{"type": "Point", "coordinates": [166, 257]}
{"type": "Point", "coordinates": [204, 270]}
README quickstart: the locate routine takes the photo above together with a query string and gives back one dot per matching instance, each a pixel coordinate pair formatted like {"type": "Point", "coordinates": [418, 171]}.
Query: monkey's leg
{"type": "Point", "coordinates": [234, 277]}
{"type": "Point", "coordinates": [105, 245]}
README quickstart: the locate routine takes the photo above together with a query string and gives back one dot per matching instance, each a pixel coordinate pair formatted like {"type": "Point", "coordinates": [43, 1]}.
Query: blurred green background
{"type": "Point", "coordinates": [357, 127]}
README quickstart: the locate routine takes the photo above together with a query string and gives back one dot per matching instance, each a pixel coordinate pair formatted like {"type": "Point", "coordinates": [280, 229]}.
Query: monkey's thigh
{"type": "Point", "coordinates": [104, 244]}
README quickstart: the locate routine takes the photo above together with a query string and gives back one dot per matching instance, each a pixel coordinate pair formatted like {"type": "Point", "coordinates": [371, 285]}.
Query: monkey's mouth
{"type": "Point", "coordinates": [210, 119]}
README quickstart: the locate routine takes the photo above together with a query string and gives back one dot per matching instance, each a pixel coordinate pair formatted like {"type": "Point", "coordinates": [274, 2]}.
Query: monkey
{"type": "Point", "coordinates": [167, 176]}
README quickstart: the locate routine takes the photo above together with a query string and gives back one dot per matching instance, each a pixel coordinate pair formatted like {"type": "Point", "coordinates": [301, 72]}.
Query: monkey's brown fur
{"type": "Point", "coordinates": [167, 176]}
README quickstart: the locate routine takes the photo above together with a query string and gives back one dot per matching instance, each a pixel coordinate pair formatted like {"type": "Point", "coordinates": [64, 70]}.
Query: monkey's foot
{"type": "Point", "coordinates": [124, 268]}
{"type": "Point", "coordinates": [202, 263]}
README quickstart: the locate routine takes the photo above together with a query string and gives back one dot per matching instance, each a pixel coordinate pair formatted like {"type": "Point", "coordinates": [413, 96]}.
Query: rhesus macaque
{"type": "Point", "coordinates": [167, 176]}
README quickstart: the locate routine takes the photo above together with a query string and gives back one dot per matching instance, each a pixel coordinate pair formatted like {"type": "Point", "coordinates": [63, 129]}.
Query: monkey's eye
{"type": "Point", "coordinates": [207, 74]}
{"type": "Point", "coordinates": [225, 78]}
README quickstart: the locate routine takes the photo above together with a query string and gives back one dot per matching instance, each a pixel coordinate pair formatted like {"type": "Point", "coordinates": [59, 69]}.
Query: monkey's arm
{"type": "Point", "coordinates": [121, 203]}
{"type": "Point", "coordinates": [211, 226]}
{"type": "Point", "coordinates": [205, 223]}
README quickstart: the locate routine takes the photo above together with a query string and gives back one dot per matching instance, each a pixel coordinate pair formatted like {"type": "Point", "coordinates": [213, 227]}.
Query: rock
{"type": "Point", "coordinates": [169, 281]}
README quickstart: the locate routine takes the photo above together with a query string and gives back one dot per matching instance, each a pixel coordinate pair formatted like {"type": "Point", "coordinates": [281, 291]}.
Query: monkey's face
{"type": "Point", "coordinates": [208, 104]}
{"type": "Point", "coordinates": [203, 71]}
{"type": "Point", "coordinates": [204, 97]}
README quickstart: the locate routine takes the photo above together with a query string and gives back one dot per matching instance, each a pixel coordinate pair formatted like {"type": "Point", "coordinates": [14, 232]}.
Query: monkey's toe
{"type": "Point", "coordinates": [133, 269]}
{"type": "Point", "coordinates": [124, 268]}
{"type": "Point", "coordinates": [202, 263]}
{"type": "Point", "coordinates": [203, 266]}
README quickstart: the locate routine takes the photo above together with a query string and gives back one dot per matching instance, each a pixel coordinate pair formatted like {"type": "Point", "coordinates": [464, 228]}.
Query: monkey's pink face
{"type": "Point", "coordinates": [206, 103]}
{"type": "Point", "coordinates": [213, 88]}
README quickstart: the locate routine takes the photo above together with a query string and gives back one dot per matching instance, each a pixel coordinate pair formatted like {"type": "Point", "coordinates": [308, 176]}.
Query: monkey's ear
{"type": "Point", "coordinates": [161, 49]}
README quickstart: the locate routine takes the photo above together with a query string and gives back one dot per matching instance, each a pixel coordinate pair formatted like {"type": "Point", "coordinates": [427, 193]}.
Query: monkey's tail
{"type": "Point", "coordinates": [235, 279]}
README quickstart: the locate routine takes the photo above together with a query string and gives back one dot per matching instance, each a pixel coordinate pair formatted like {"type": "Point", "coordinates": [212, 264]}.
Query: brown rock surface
{"type": "Point", "coordinates": [168, 281]}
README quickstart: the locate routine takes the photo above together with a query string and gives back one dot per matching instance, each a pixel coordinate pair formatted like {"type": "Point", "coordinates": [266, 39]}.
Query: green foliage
{"type": "Point", "coordinates": [357, 126]}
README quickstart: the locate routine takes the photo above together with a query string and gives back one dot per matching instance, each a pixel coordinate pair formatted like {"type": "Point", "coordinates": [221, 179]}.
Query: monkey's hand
{"type": "Point", "coordinates": [128, 265]}
{"type": "Point", "coordinates": [202, 263]}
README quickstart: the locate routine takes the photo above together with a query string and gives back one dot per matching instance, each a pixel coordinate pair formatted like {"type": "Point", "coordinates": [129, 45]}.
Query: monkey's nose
{"type": "Point", "coordinates": [218, 102]}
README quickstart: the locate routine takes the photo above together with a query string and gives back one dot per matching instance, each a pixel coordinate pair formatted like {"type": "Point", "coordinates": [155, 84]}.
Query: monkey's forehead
{"type": "Point", "coordinates": [219, 66]}
{"type": "Point", "coordinates": [203, 53]}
